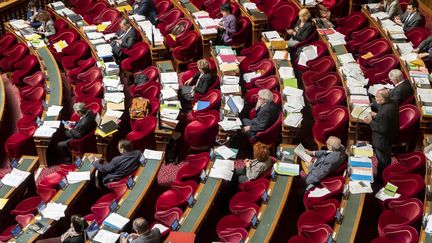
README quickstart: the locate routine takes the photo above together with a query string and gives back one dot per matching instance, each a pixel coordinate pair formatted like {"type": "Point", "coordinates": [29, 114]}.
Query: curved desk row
{"type": "Point", "coordinates": [427, 203]}
{"type": "Point", "coordinates": [2, 99]}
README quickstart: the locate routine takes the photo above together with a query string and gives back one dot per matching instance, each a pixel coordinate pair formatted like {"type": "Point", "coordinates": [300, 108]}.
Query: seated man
{"type": "Point", "coordinates": [84, 126]}
{"type": "Point", "coordinates": [325, 162]}
{"type": "Point", "coordinates": [120, 166]}
{"type": "Point", "coordinates": [143, 233]}
{"type": "Point", "coordinates": [402, 88]}
{"type": "Point", "coordinates": [146, 8]}
{"type": "Point", "coordinates": [411, 18]}
{"type": "Point", "coordinates": [124, 38]}
{"type": "Point", "coordinates": [424, 49]}
{"type": "Point", "coordinates": [266, 114]}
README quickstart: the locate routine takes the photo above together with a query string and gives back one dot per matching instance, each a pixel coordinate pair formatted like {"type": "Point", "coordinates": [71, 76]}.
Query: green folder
{"type": "Point", "coordinates": [290, 82]}
{"type": "Point", "coordinates": [390, 189]}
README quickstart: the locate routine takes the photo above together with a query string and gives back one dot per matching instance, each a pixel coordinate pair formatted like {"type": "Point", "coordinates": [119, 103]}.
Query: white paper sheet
{"type": "Point", "coordinates": [300, 151]}
{"type": "Point", "coordinates": [15, 177]}
{"type": "Point", "coordinates": [382, 196]}
{"type": "Point", "coordinates": [153, 154]}
{"type": "Point", "coordinates": [79, 176]}
{"type": "Point", "coordinates": [224, 164]}
{"type": "Point", "coordinates": [221, 174]}
{"type": "Point", "coordinates": [105, 236]}
{"type": "Point", "coordinates": [225, 152]}
{"type": "Point", "coordinates": [356, 187]}
{"type": "Point", "coordinates": [319, 192]}
{"type": "Point", "coordinates": [54, 211]}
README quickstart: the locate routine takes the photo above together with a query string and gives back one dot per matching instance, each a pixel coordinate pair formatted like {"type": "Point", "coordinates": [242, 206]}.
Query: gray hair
{"type": "Point", "coordinates": [396, 75]}
{"type": "Point", "coordinates": [335, 142]}
{"type": "Point", "coordinates": [81, 107]}
{"type": "Point", "coordinates": [266, 95]}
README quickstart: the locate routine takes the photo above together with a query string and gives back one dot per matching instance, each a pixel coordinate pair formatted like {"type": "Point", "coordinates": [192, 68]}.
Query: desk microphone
{"type": "Point", "coordinates": [358, 121]}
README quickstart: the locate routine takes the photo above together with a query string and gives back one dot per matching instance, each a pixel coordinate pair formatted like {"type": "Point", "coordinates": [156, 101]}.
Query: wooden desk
{"type": "Point", "coordinates": [53, 82]}
{"type": "Point", "coordinates": [2, 99]}
{"type": "Point", "coordinates": [132, 199]}
{"type": "Point", "coordinates": [258, 21]}
{"type": "Point", "coordinates": [66, 197]}
{"type": "Point", "coordinates": [272, 211]}
{"type": "Point", "coordinates": [425, 122]}
{"type": "Point", "coordinates": [188, 9]}
{"type": "Point", "coordinates": [427, 203]}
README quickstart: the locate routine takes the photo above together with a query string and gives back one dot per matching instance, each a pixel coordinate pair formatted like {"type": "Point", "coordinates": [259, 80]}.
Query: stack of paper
{"type": "Point", "coordinates": [76, 177]}
{"type": "Point", "coordinates": [105, 236]}
{"type": "Point", "coordinates": [115, 221]}
{"type": "Point", "coordinates": [53, 124]}
{"type": "Point", "coordinates": [363, 151]}
{"type": "Point", "coordinates": [346, 58]}
{"type": "Point", "coordinates": [111, 68]}
{"type": "Point", "coordinates": [230, 89]}
{"type": "Point", "coordinates": [357, 187]}
{"type": "Point", "coordinates": [250, 6]}
{"type": "Point", "coordinates": [271, 35]}
{"type": "Point", "coordinates": [373, 89]}
{"type": "Point", "coordinates": [382, 196]}
{"type": "Point", "coordinates": [287, 169]}
{"type": "Point", "coordinates": [359, 100]}
{"type": "Point", "coordinates": [54, 211]}
{"type": "Point", "coordinates": [425, 95]}
{"type": "Point", "coordinates": [111, 81]}
{"type": "Point", "coordinates": [281, 55]}
{"type": "Point", "coordinates": [308, 53]}
{"type": "Point", "coordinates": [44, 131]}
{"type": "Point", "coordinates": [153, 154]}
{"type": "Point", "coordinates": [15, 177]}
{"type": "Point", "coordinates": [247, 77]}
{"type": "Point", "coordinates": [294, 103]}
{"type": "Point", "coordinates": [230, 80]}
{"type": "Point", "coordinates": [114, 97]}
{"type": "Point", "coordinates": [229, 124]}
{"type": "Point", "coordinates": [336, 39]}
{"type": "Point", "coordinates": [169, 94]}
{"type": "Point", "coordinates": [169, 113]}
{"type": "Point", "coordinates": [380, 15]}
{"type": "Point", "coordinates": [357, 90]}
{"type": "Point", "coordinates": [18, 24]}
{"type": "Point", "coordinates": [319, 192]}
{"type": "Point", "coordinates": [221, 173]}
{"type": "Point", "coordinates": [225, 152]}
{"type": "Point", "coordinates": [54, 110]}
{"type": "Point", "coordinates": [361, 168]}
{"type": "Point", "coordinates": [360, 111]}
{"type": "Point", "coordinates": [286, 72]}
{"type": "Point", "coordinates": [293, 119]}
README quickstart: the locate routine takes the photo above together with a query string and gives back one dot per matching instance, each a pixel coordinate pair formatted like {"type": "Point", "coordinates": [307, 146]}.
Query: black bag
{"type": "Point", "coordinates": [140, 79]}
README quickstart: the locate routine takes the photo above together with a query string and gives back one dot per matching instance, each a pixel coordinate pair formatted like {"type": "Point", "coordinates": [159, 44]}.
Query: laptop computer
{"type": "Point", "coordinates": [92, 230]}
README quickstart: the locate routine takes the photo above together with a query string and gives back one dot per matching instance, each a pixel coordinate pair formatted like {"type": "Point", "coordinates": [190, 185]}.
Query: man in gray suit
{"type": "Point", "coordinates": [326, 161]}
{"type": "Point", "coordinates": [124, 38]}
{"type": "Point", "coordinates": [425, 48]}
{"type": "Point", "coordinates": [411, 18]}
{"type": "Point", "coordinates": [143, 234]}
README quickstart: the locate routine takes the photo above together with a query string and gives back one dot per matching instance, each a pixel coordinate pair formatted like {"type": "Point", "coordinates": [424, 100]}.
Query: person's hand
{"type": "Point", "coordinates": [133, 235]}
{"type": "Point", "coordinates": [193, 87]}
{"type": "Point", "coordinates": [372, 114]}
{"type": "Point", "coordinates": [308, 152]}
{"type": "Point", "coordinates": [421, 55]}
{"type": "Point", "coordinates": [188, 82]}
{"type": "Point", "coordinates": [397, 20]}
{"type": "Point", "coordinates": [66, 126]}
{"type": "Point", "coordinates": [118, 41]}
{"type": "Point", "coordinates": [246, 128]}
{"type": "Point", "coordinates": [258, 104]}
{"type": "Point", "coordinates": [367, 119]}
{"type": "Point", "coordinates": [247, 162]}
{"type": "Point", "coordinates": [415, 50]}
{"type": "Point", "coordinates": [290, 32]}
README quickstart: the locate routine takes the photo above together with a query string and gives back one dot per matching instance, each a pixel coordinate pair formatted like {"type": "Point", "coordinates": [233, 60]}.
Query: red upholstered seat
{"type": "Point", "coordinates": [312, 37]}
{"type": "Point", "coordinates": [322, 212]}
{"type": "Point", "coordinates": [163, 7]}
{"type": "Point", "coordinates": [315, 233]}
{"type": "Point", "coordinates": [6, 234]}
{"type": "Point", "coordinates": [34, 79]}
{"type": "Point", "coordinates": [322, 95]}
{"type": "Point", "coordinates": [253, 54]}
{"type": "Point", "coordinates": [177, 196]}
{"type": "Point", "coordinates": [32, 93]}
{"type": "Point", "coordinates": [321, 50]}
{"type": "Point", "coordinates": [416, 35]}
{"type": "Point", "coordinates": [377, 48]}
{"type": "Point", "coordinates": [317, 67]}
{"type": "Point", "coordinates": [60, 24]}
{"type": "Point", "coordinates": [270, 135]}
{"type": "Point", "coordinates": [195, 164]}
{"type": "Point", "coordinates": [19, 144]}
{"type": "Point", "coordinates": [12, 56]}
{"type": "Point", "coordinates": [267, 6]}
{"type": "Point", "coordinates": [241, 38]}
{"type": "Point", "coordinates": [99, 213]}
{"type": "Point", "coordinates": [213, 86]}
{"type": "Point", "coordinates": [213, 96]}
{"type": "Point", "coordinates": [96, 8]}
{"type": "Point", "coordinates": [25, 67]}
{"type": "Point", "coordinates": [169, 41]}
{"type": "Point", "coordinates": [30, 204]}
{"type": "Point", "coordinates": [351, 23]}
{"type": "Point", "coordinates": [80, 6]}
{"type": "Point", "coordinates": [87, 90]}
{"type": "Point", "coordinates": [151, 72]}
{"type": "Point", "coordinates": [270, 82]}
{"type": "Point", "coordinates": [51, 181]}
{"type": "Point", "coordinates": [248, 185]}
{"type": "Point", "coordinates": [360, 38]}
{"type": "Point", "coordinates": [167, 218]}
{"type": "Point", "coordinates": [32, 109]}
{"type": "Point", "coordinates": [249, 195]}
{"type": "Point", "coordinates": [233, 235]}
{"type": "Point", "coordinates": [149, 90]}
{"type": "Point", "coordinates": [67, 35]}
{"type": "Point", "coordinates": [113, 27]}
{"type": "Point", "coordinates": [333, 184]}
{"type": "Point", "coordinates": [399, 213]}
{"type": "Point", "coordinates": [188, 49]}
{"type": "Point", "coordinates": [79, 50]}
{"type": "Point", "coordinates": [24, 220]}
{"type": "Point", "coordinates": [167, 18]}
{"type": "Point", "coordinates": [235, 9]}
{"type": "Point", "coordinates": [7, 41]}
{"type": "Point", "coordinates": [138, 58]}
{"type": "Point", "coordinates": [332, 123]}
{"type": "Point", "coordinates": [109, 14]}
{"type": "Point", "coordinates": [409, 185]}
{"type": "Point", "coordinates": [81, 71]}
{"type": "Point", "coordinates": [200, 133]}
{"type": "Point", "coordinates": [380, 67]}
{"type": "Point", "coordinates": [283, 17]}
{"type": "Point", "coordinates": [86, 144]}
{"type": "Point", "coordinates": [142, 135]}
{"type": "Point", "coordinates": [326, 80]}
{"type": "Point", "coordinates": [213, 5]}
{"type": "Point", "coordinates": [266, 68]}
{"type": "Point", "coordinates": [241, 219]}
{"type": "Point", "coordinates": [90, 75]}
{"type": "Point", "coordinates": [328, 101]}
{"type": "Point", "coordinates": [409, 118]}
{"type": "Point", "coordinates": [402, 234]}
{"type": "Point", "coordinates": [407, 163]}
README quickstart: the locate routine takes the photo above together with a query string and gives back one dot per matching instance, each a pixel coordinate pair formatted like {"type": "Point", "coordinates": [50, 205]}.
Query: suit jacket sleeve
{"type": "Point", "coordinates": [49, 28]}
{"type": "Point", "coordinates": [261, 122]}
{"type": "Point", "coordinates": [230, 26]}
{"type": "Point", "coordinates": [319, 171]}
{"type": "Point", "coordinates": [129, 40]}
{"type": "Point", "coordinates": [319, 153]}
{"type": "Point", "coordinates": [378, 124]}
{"type": "Point", "coordinates": [142, 8]}
{"type": "Point", "coordinates": [304, 32]}
{"type": "Point", "coordinates": [204, 84]}
{"type": "Point", "coordinates": [107, 167]}
{"type": "Point", "coordinates": [423, 47]}
{"type": "Point", "coordinates": [86, 127]}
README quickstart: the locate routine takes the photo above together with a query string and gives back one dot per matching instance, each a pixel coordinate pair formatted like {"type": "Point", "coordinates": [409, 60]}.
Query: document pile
{"type": "Point", "coordinates": [362, 151]}
{"type": "Point", "coordinates": [230, 80]}
{"type": "Point", "coordinates": [227, 60]}
{"type": "Point", "coordinates": [346, 58]}
{"type": "Point", "coordinates": [152, 33]}
{"type": "Point", "coordinates": [76, 177]}
{"type": "Point", "coordinates": [222, 169]}
{"type": "Point", "coordinates": [380, 15]}
{"type": "Point", "coordinates": [428, 228]}
{"type": "Point", "coordinates": [60, 45]}
{"type": "Point", "coordinates": [359, 111]}
{"type": "Point", "coordinates": [373, 89]}
{"type": "Point", "coordinates": [112, 83]}
{"type": "Point", "coordinates": [360, 168]}
{"type": "Point", "coordinates": [404, 48]}
{"type": "Point", "coordinates": [293, 106]}
{"type": "Point", "coordinates": [169, 80]}
{"type": "Point", "coordinates": [383, 194]}
{"type": "Point", "coordinates": [45, 131]}
{"type": "Point", "coordinates": [54, 211]}
{"type": "Point", "coordinates": [153, 154]}
{"type": "Point", "coordinates": [114, 97]}
{"type": "Point", "coordinates": [308, 53]}
{"type": "Point", "coordinates": [230, 123]}
{"type": "Point", "coordinates": [318, 192]}
{"type": "Point", "coordinates": [336, 39]}
{"type": "Point", "coordinates": [354, 75]}
{"type": "Point", "coordinates": [357, 187]}
{"type": "Point", "coordinates": [104, 51]}
{"type": "Point", "coordinates": [271, 35]}
{"type": "Point", "coordinates": [111, 68]}
{"type": "Point", "coordinates": [105, 236]}
{"type": "Point", "coordinates": [169, 112]}
{"type": "Point", "coordinates": [425, 95]}
{"type": "Point", "coordinates": [116, 221]}
{"type": "Point", "coordinates": [15, 177]}
{"type": "Point", "coordinates": [54, 110]}
{"type": "Point", "coordinates": [225, 152]}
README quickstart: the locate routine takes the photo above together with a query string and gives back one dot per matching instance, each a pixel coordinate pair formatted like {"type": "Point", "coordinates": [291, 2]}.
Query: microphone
{"type": "Point", "coordinates": [358, 121]}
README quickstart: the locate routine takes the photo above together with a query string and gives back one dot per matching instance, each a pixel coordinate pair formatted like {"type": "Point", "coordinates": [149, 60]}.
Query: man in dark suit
{"type": "Point", "coordinates": [143, 233]}
{"type": "Point", "coordinates": [303, 28]}
{"type": "Point", "coordinates": [267, 114]}
{"type": "Point", "coordinates": [146, 8]}
{"type": "Point", "coordinates": [385, 128]}
{"type": "Point", "coordinates": [84, 126]}
{"type": "Point", "coordinates": [402, 89]}
{"type": "Point", "coordinates": [326, 162]}
{"type": "Point", "coordinates": [424, 49]}
{"type": "Point", "coordinates": [124, 38]}
{"type": "Point", "coordinates": [120, 166]}
{"type": "Point", "coordinates": [411, 18]}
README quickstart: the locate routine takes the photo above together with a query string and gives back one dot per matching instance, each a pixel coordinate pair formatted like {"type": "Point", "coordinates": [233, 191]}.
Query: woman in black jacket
{"type": "Point", "coordinates": [200, 82]}
{"type": "Point", "coordinates": [302, 30]}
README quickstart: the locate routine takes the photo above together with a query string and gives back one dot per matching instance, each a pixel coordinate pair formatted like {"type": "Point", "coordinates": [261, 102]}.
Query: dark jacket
{"type": "Point", "coordinates": [148, 9]}
{"type": "Point", "coordinates": [128, 39]}
{"type": "Point", "coordinates": [152, 236]}
{"type": "Point", "coordinates": [414, 21]}
{"type": "Point", "coordinates": [83, 127]}
{"type": "Point", "coordinates": [426, 46]}
{"type": "Point", "coordinates": [385, 126]}
{"type": "Point", "coordinates": [326, 163]}
{"type": "Point", "coordinates": [75, 239]}
{"type": "Point", "coordinates": [203, 84]}
{"type": "Point", "coordinates": [266, 116]}
{"type": "Point", "coordinates": [305, 31]}
{"type": "Point", "coordinates": [401, 92]}
{"type": "Point", "coordinates": [119, 167]}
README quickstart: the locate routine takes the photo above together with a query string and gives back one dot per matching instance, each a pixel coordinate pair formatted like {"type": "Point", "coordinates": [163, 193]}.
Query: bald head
{"type": "Point", "coordinates": [140, 225]}
{"type": "Point", "coordinates": [382, 96]}
{"type": "Point", "coordinates": [333, 143]}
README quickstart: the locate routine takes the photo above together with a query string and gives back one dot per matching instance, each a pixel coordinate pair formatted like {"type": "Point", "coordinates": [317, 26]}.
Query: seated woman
{"type": "Point", "coordinates": [75, 234]}
{"type": "Point", "coordinates": [31, 15]}
{"type": "Point", "coordinates": [302, 30]}
{"type": "Point", "coordinates": [47, 24]}
{"type": "Point", "coordinates": [200, 82]}
{"type": "Point", "coordinates": [391, 7]}
{"type": "Point", "coordinates": [255, 168]}
{"type": "Point", "coordinates": [228, 24]}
